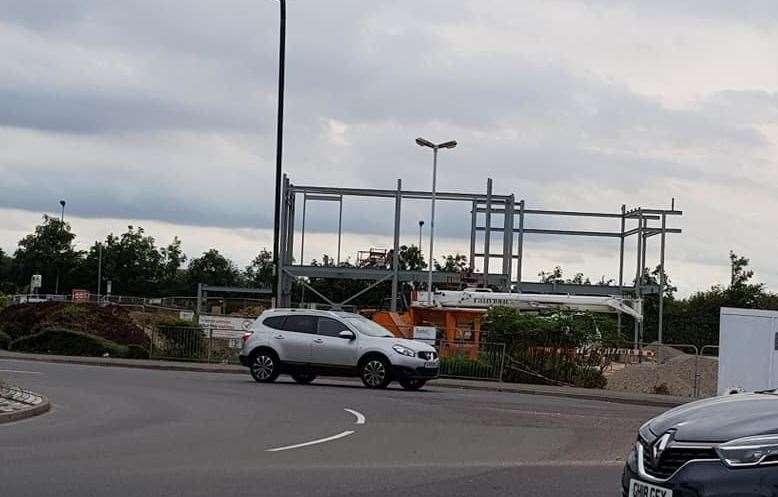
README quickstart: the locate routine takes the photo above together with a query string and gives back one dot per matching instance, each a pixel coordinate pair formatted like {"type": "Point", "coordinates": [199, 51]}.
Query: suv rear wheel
{"type": "Point", "coordinates": [375, 372]}
{"type": "Point", "coordinates": [264, 366]}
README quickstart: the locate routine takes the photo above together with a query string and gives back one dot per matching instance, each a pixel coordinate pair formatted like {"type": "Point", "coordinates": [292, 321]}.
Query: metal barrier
{"type": "Point", "coordinates": [467, 360]}
{"type": "Point", "coordinates": [194, 344]}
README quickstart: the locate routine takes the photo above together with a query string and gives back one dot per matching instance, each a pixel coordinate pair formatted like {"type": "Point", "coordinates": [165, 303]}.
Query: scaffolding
{"type": "Point", "coordinates": [638, 221]}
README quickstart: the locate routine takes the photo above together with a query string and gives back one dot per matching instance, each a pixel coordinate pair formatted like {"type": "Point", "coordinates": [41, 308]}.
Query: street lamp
{"type": "Point", "coordinates": [426, 143]}
{"type": "Point", "coordinates": [279, 146]}
{"type": "Point", "coordinates": [62, 228]}
{"type": "Point", "coordinates": [421, 225]}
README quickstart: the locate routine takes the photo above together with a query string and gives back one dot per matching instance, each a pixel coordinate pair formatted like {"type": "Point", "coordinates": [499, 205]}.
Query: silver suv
{"type": "Point", "coordinates": [307, 343]}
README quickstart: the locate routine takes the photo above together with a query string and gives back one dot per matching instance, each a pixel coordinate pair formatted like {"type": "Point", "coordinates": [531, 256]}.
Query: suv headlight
{"type": "Point", "coordinates": [404, 350]}
{"type": "Point", "coordinates": [749, 451]}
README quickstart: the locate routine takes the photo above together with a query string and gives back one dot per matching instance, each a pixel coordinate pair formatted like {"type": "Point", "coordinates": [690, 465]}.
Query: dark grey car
{"type": "Point", "coordinates": [723, 446]}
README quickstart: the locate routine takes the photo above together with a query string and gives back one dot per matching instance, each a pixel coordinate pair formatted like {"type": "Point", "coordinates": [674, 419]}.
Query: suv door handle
{"type": "Point", "coordinates": [279, 336]}
{"type": "Point", "coordinates": [318, 340]}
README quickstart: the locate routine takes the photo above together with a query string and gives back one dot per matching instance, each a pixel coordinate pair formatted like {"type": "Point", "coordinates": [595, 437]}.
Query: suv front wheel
{"type": "Point", "coordinates": [375, 373]}
{"type": "Point", "coordinates": [264, 366]}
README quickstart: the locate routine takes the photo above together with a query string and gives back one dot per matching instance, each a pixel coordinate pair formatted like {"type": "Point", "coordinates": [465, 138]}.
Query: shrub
{"type": "Point", "coordinates": [136, 352]}
{"type": "Point", "coordinates": [5, 340]}
{"type": "Point", "coordinates": [67, 342]}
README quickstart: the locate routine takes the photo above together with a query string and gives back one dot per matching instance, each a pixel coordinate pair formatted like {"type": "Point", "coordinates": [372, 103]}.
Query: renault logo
{"type": "Point", "coordinates": [660, 445]}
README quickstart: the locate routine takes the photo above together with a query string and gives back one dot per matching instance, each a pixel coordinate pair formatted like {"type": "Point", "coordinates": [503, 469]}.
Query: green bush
{"type": "Point", "coordinates": [5, 340]}
{"type": "Point", "coordinates": [136, 352]}
{"type": "Point", "coordinates": [67, 342]}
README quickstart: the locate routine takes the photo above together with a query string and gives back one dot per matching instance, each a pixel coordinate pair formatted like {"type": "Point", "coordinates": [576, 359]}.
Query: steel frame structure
{"type": "Point", "coordinates": [640, 222]}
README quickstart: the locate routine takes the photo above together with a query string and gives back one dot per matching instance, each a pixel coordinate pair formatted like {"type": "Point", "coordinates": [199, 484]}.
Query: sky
{"type": "Point", "coordinates": [162, 115]}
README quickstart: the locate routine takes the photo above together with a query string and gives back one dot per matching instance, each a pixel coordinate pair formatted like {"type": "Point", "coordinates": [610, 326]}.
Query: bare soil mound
{"type": "Point", "coordinates": [109, 322]}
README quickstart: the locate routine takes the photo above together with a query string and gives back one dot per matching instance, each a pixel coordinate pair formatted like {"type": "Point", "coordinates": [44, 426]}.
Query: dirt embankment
{"type": "Point", "coordinates": [109, 322]}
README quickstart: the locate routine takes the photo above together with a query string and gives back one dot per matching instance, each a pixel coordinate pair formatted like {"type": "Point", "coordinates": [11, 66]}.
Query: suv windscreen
{"type": "Point", "coordinates": [330, 327]}
{"type": "Point", "coordinates": [369, 328]}
{"type": "Point", "coordinates": [300, 324]}
{"type": "Point", "coordinates": [275, 322]}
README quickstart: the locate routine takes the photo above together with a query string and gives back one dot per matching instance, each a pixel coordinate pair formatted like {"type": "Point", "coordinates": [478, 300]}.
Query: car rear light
{"type": "Point", "coordinates": [246, 336]}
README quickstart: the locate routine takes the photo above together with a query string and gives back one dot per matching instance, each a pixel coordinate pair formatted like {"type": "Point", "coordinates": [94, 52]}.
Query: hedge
{"type": "Point", "coordinates": [5, 340]}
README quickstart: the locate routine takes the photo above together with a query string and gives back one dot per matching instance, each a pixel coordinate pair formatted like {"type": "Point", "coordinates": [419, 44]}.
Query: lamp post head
{"type": "Point", "coordinates": [62, 203]}
{"type": "Point", "coordinates": [421, 223]}
{"type": "Point", "coordinates": [424, 143]}
{"type": "Point", "coordinates": [448, 144]}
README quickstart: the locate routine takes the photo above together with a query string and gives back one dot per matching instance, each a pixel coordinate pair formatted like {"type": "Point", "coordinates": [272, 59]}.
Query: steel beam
{"type": "Point", "coordinates": [396, 251]}
{"type": "Point", "coordinates": [410, 194]}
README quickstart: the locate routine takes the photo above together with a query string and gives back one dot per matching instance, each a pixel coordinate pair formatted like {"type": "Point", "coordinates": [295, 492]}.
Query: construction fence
{"type": "Point", "coordinates": [682, 370]}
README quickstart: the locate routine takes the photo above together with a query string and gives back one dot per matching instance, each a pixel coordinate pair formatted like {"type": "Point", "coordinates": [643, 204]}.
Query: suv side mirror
{"type": "Point", "coordinates": [347, 334]}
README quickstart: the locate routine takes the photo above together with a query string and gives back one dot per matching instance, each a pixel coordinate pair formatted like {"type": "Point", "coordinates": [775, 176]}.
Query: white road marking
{"type": "Point", "coordinates": [360, 417]}
{"type": "Point", "coordinates": [18, 371]}
{"type": "Point", "coordinates": [312, 442]}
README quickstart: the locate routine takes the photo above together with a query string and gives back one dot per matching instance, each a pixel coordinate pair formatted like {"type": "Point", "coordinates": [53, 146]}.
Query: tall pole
{"type": "Point", "coordinates": [340, 226]}
{"type": "Point", "coordinates": [279, 144]}
{"type": "Point", "coordinates": [432, 221]}
{"type": "Point", "coordinates": [99, 271]}
{"type": "Point", "coordinates": [62, 229]}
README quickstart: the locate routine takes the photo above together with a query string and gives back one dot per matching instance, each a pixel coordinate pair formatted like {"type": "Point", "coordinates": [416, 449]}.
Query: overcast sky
{"type": "Point", "coordinates": [162, 114]}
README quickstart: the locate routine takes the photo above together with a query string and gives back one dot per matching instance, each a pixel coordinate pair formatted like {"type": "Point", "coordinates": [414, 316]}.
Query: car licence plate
{"type": "Point", "coordinates": [432, 364]}
{"type": "Point", "coordinates": [639, 489]}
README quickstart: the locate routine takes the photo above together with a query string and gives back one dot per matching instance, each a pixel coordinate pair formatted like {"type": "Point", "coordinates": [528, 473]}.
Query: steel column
{"type": "Point", "coordinates": [521, 243]}
{"type": "Point", "coordinates": [396, 251]}
{"type": "Point", "coordinates": [661, 280]}
{"type": "Point", "coordinates": [621, 258]}
{"type": "Point", "coordinates": [507, 240]}
{"type": "Point", "coordinates": [488, 225]}
{"type": "Point", "coordinates": [302, 229]}
{"type": "Point", "coordinates": [340, 226]}
{"type": "Point", "coordinates": [473, 221]}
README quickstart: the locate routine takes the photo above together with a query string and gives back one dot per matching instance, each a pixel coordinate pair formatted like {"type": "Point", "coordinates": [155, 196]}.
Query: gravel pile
{"type": "Point", "coordinates": [674, 377]}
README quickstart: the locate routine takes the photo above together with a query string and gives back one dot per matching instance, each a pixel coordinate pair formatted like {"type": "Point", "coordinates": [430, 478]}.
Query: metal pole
{"type": "Point", "coordinates": [421, 225]}
{"type": "Point", "coordinates": [340, 226]}
{"type": "Point", "coordinates": [521, 245]}
{"type": "Point", "coordinates": [487, 229]}
{"type": "Point", "coordinates": [279, 147]}
{"type": "Point", "coordinates": [621, 259]}
{"type": "Point", "coordinates": [302, 228]}
{"type": "Point", "coordinates": [432, 221]}
{"type": "Point", "coordinates": [638, 274]}
{"type": "Point", "coordinates": [661, 279]}
{"type": "Point", "coordinates": [473, 219]}
{"type": "Point", "coordinates": [396, 251]}
{"type": "Point", "coordinates": [99, 271]}
{"type": "Point", "coordinates": [507, 240]}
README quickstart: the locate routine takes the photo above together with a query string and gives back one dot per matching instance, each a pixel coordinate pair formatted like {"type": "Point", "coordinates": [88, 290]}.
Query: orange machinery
{"type": "Point", "coordinates": [461, 327]}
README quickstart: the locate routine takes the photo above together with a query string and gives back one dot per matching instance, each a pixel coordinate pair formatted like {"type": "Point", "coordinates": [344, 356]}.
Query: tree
{"type": "Point", "coordinates": [739, 274]}
{"type": "Point", "coordinates": [259, 273]}
{"type": "Point", "coordinates": [7, 268]}
{"type": "Point", "coordinates": [554, 276]}
{"type": "Point", "coordinates": [48, 251]}
{"type": "Point", "coordinates": [456, 263]}
{"type": "Point", "coordinates": [212, 268]}
{"type": "Point", "coordinates": [411, 258]}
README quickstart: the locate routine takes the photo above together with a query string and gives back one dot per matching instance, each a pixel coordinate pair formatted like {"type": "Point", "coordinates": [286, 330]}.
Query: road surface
{"type": "Point", "coordinates": [133, 432]}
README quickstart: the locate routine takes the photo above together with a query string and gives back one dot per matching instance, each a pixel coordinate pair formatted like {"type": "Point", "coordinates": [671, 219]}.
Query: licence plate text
{"type": "Point", "coordinates": [639, 489]}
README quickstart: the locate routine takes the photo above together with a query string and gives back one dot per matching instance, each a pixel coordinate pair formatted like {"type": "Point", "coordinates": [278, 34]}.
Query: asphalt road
{"type": "Point", "coordinates": [132, 432]}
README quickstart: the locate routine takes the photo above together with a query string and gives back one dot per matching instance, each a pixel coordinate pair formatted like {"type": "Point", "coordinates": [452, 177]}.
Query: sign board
{"type": "Point", "coordinates": [186, 315]}
{"type": "Point", "coordinates": [226, 326]}
{"type": "Point", "coordinates": [80, 295]}
{"type": "Point", "coordinates": [36, 281]}
{"type": "Point", "coordinates": [426, 334]}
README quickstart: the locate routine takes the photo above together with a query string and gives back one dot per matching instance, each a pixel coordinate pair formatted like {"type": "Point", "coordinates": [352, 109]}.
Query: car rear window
{"type": "Point", "coordinates": [275, 322]}
{"type": "Point", "coordinates": [300, 324]}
